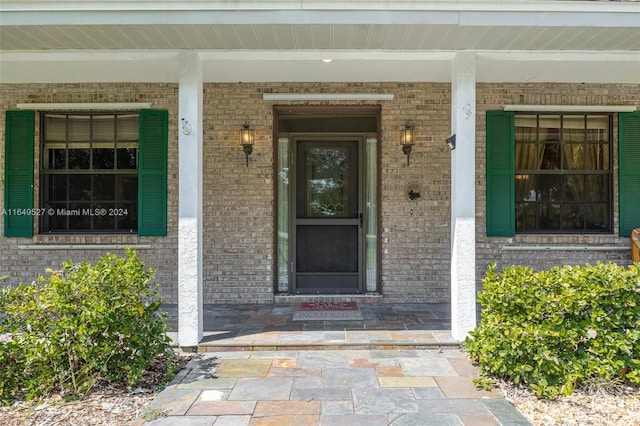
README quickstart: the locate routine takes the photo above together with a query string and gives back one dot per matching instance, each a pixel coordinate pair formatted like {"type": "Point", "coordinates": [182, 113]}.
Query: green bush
{"type": "Point", "coordinates": [559, 328]}
{"type": "Point", "coordinates": [78, 326]}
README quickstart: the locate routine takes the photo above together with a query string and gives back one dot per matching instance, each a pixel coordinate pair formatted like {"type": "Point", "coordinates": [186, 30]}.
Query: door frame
{"type": "Point", "coordinates": [373, 282]}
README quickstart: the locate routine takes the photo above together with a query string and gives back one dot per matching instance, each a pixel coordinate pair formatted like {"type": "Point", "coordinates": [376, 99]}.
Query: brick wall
{"type": "Point", "coordinates": [239, 200]}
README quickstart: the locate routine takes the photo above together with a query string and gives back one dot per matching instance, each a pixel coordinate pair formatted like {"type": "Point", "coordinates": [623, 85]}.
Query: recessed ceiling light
{"type": "Point", "coordinates": [327, 61]}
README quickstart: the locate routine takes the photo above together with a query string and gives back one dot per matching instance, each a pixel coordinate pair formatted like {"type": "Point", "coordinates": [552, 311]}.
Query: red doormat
{"type": "Point", "coordinates": [329, 306]}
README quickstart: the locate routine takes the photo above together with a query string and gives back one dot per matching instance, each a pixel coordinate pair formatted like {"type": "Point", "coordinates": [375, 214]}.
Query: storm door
{"type": "Point", "coordinates": [326, 215]}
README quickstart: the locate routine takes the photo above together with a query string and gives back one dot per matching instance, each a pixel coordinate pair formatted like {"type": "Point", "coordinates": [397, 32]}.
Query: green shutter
{"type": "Point", "coordinates": [500, 174]}
{"type": "Point", "coordinates": [629, 171]}
{"type": "Point", "coordinates": [18, 173]}
{"type": "Point", "coordinates": [152, 173]}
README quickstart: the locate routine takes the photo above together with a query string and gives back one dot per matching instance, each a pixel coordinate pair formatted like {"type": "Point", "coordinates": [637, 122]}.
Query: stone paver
{"type": "Point", "coordinates": [288, 420]}
{"type": "Point", "coordinates": [462, 387]}
{"type": "Point", "coordinates": [349, 377]}
{"type": "Point", "coordinates": [174, 402]}
{"type": "Point", "coordinates": [287, 408]}
{"type": "Point", "coordinates": [384, 401]}
{"type": "Point", "coordinates": [395, 367]}
{"type": "Point", "coordinates": [407, 382]}
{"type": "Point", "coordinates": [244, 368]}
{"type": "Point", "coordinates": [221, 408]}
{"type": "Point", "coordinates": [270, 389]}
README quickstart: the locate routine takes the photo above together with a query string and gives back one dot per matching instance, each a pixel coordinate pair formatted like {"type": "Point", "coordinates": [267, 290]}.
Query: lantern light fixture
{"type": "Point", "coordinates": [406, 140]}
{"type": "Point", "coordinates": [246, 140]}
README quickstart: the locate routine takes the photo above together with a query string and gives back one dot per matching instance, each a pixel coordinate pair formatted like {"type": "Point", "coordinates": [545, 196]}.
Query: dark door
{"type": "Point", "coordinates": [327, 216]}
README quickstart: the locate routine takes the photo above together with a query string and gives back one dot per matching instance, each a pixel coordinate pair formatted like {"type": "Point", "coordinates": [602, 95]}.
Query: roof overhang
{"type": "Point", "coordinates": [529, 41]}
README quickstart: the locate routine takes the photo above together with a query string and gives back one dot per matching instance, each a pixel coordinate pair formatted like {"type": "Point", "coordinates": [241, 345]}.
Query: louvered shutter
{"type": "Point", "coordinates": [629, 171]}
{"type": "Point", "coordinates": [18, 173]}
{"type": "Point", "coordinates": [152, 173]}
{"type": "Point", "coordinates": [500, 174]}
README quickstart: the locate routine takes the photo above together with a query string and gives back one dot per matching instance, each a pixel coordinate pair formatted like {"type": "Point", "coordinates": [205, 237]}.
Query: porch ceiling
{"type": "Point", "coordinates": [366, 37]}
{"type": "Point", "coordinates": [285, 40]}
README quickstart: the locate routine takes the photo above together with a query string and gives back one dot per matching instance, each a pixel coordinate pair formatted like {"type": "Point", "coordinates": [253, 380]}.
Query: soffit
{"type": "Point", "coordinates": [366, 37]}
{"type": "Point", "coordinates": [58, 41]}
{"type": "Point", "coordinates": [319, 25]}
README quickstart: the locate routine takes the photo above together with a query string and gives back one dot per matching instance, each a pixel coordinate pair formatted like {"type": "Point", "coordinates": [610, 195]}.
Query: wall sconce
{"type": "Point", "coordinates": [451, 141]}
{"type": "Point", "coordinates": [406, 140]}
{"type": "Point", "coordinates": [246, 139]}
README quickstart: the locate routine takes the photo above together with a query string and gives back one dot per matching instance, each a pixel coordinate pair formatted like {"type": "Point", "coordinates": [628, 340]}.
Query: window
{"type": "Point", "coordinates": [553, 173]}
{"type": "Point", "coordinates": [89, 172]}
{"type": "Point", "coordinates": [563, 172]}
{"type": "Point", "coordinates": [115, 161]}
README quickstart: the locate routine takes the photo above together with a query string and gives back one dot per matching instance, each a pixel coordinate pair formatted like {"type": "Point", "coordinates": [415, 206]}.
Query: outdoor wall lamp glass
{"type": "Point", "coordinates": [406, 140]}
{"type": "Point", "coordinates": [246, 139]}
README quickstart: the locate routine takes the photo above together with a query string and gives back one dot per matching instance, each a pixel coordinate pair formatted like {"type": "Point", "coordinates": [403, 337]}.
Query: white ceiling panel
{"type": "Point", "coordinates": [212, 38]}
{"type": "Point", "coordinates": [358, 37]}
{"type": "Point", "coordinates": [399, 36]}
{"type": "Point", "coordinates": [321, 36]}
{"type": "Point", "coordinates": [340, 36]}
{"type": "Point", "coordinates": [303, 36]}
{"type": "Point", "coordinates": [266, 36]}
{"type": "Point", "coordinates": [617, 37]}
{"type": "Point", "coordinates": [379, 37]}
{"type": "Point", "coordinates": [285, 37]}
{"type": "Point", "coordinates": [247, 37]}
{"type": "Point", "coordinates": [192, 37]}
{"type": "Point", "coordinates": [299, 36]}
{"type": "Point", "coordinates": [487, 36]}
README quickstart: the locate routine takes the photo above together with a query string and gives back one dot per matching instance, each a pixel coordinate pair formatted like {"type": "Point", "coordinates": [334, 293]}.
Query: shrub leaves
{"type": "Point", "coordinates": [78, 326]}
{"type": "Point", "coordinates": [555, 329]}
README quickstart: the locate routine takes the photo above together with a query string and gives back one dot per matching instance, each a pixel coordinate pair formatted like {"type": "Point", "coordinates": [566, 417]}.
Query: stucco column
{"type": "Point", "coordinates": [190, 323]}
{"type": "Point", "coordinates": [463, 169]}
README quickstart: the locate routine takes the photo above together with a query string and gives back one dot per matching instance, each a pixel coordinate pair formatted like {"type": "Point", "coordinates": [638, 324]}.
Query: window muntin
{"type": "Point", "coordinates": [89, 172]}
{"type": "Point", "coordinates": [563, 177]}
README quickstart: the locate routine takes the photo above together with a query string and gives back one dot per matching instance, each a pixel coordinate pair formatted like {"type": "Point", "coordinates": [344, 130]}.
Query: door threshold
{"type": "Point", "coordinates": [302, 298]}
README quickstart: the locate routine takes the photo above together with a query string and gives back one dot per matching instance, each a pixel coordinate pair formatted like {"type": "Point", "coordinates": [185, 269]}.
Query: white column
{"type": "Point", "coordinates": [463, 169]}
{"type": "Point", "coordinates": [190, 323]}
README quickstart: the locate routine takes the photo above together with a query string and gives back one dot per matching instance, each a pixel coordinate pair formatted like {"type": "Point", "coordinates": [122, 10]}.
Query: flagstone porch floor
{"type": "Point", "coordinates": [261, 327]}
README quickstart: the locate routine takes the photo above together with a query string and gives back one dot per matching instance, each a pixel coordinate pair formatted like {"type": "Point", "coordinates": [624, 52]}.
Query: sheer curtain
{"type": "Point", "coordinates": [529, 153]}
{"type": "Point", "coordinates": [583, 150]}
{"type": "Point", "coordinates": [371, 249]}
{"type": "Point", "coordinates": [283, 214]}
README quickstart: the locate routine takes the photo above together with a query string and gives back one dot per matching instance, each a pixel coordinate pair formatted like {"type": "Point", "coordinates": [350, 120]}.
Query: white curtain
{"type": "Point", "coordinates": [371, 250]}
{"type": "Point", "coordinates": [529, 154]}
{"type": "Point", "coordinates": [283, 215]}
{"type": "Point", "coordinates": [583, 150]}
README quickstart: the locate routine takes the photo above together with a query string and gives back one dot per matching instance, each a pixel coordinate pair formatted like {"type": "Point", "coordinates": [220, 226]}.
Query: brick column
{"type": "Point", "coordinates": [463, 169]}
{"type": "Point", "coordinates": [190, 322]}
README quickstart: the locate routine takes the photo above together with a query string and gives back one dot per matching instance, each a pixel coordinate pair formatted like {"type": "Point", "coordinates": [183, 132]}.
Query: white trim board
{"type": "Point", "coordinates": [90, 106]}
{"type": "Point", "coordinates": [327, 96]}
{"type": "Point", "coordinates": [571, 108]}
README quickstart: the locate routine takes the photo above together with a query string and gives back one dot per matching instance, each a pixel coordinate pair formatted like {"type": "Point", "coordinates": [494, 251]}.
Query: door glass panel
{"type": "Point", "coordinates": [371, 243]}
{"type": "Point", "coordinates": [283, 214]}
{"type": "Point", "coordinates": [327, 182]}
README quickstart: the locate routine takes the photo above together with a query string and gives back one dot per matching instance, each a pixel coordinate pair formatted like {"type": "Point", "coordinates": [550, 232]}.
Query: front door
{"type": "Point", "coordinates": [327, 216]}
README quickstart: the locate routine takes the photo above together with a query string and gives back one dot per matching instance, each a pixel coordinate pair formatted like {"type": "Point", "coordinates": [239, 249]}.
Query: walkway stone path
{"type": "Point", "coordinates": [398, 366]}
{"type": "Point", "coordinates": [330, 387]}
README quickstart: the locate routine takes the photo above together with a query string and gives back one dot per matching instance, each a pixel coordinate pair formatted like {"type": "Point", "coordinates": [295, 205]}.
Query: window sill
{"type": "Point", "coordinates": [83, 246]}
{"type": "Point", "coordinates": [536, 247]}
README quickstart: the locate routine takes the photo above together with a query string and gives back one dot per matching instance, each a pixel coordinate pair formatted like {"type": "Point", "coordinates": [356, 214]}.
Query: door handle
{"type": "Point", "coordinates": [361, 219]}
